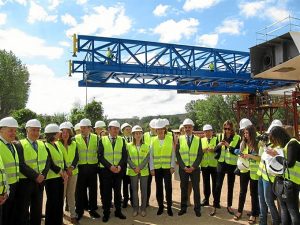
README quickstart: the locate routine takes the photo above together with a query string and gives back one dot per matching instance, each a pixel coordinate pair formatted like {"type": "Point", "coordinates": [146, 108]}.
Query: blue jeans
{"type": "Point", "coordinates": [267, 200]}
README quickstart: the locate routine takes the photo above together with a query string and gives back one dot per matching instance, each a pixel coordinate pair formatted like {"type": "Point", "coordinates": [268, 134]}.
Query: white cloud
{"type": "Point", "coordinates": [208, 40]}
{"type": "Point", "coordinates": [161, 10]}
{"type": "Point", "coordinates": [68, 20]}
{"type": "Point", "coordinates": [30, 46]}
{"type": "Point", "coordinates": [230, 26]}
{"type": "Point", "coordinates": [54, 4]}
{"type": "Point", "coordinates": [110, 21]}
{"type": "Point", "coordinates": [65, 43]}
{"type": "Point", "coordinates": [199, 4]}
{"type": "Point", "coordinates": [81, 2]}
{"type": "Point", "coordinates": [277, 14]}
{"type": "Point", "coordinates": [38, 13]}
{"type": "Point", "coordinates": [21, 2]}
{"type": "Point", "coordinates": [171, 30]}
{"type": "Point", "coordinates": [250, 9]}
{"type": "Point", "coordinates": [115, 101]}
{"type": "Point", "coordinates": [3, 17]}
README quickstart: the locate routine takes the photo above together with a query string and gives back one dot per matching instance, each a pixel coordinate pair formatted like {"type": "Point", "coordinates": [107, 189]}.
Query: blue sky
{"type": "Point", "coordinates": [39, 33]}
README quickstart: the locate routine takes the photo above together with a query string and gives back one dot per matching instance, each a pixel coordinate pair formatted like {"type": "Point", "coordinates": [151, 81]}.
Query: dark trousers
{"type": "Point", "coordinates": [126, 188]}
{"type": "Point", "coordinates": [87, 179]}
{"type": "Point", "coordinates": [1, 215]}
{"type": "Point", "coordinates": [290, 207]}
{"type": "Point", "coordinates": [184, 183]}
{"type": "Point", "coordinates": [55, 201]}
{"type": "Point", "coordinates": [9, 207]}
{"type": "Point", "coordinates": [163, 176]}
{"type": "Point", "coordinates": [207, 173]}
{"type": "Point", "coordinates": [149, 188]}
{"type": "Point", "coordinates": [29, 196]}
{"type": "Point", "coordinates": [244, 180]}
{"type": "Point", "coordinates": [111, 181]}
{"type": "Point", "coordinates": [230, 184]}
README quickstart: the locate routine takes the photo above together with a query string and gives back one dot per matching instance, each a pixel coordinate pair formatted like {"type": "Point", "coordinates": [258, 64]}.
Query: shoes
{"type": "Point", "coordinates": [74, 221]}
{"type": "Point", "coordinates": [181, 212]}
{"type": "Point", "coordinates": [218, 206]}
{"type": "Point", "coordinates": [105, 219]}
{"type": "Point", "coordinates": [198, 213]}
{"type": "Point", "coordinates": [252, 220]}
{"type": "Point", "coordinates": [143, 213]}
{"type": "Point", "coordinates": [94, 214]}
{"type": "Point", "coordinates": [160, 211]}
{"type": "Point", "coordinates": [135, 213]}
{"type": "Point", "coordinates": [237, 216]}
{"type": "Point", "coordinates": [120, 215]}
{"type": "Point", "coordinates": [212, 213]}
{"type": "Point", "coordinates": [125, 204]}
{"type": "Point", "coordinates": [230, 211]}
{"type": "Point", "coordinates": [204, 203]}
{"type": "Point", "coordinates": [169, 211]}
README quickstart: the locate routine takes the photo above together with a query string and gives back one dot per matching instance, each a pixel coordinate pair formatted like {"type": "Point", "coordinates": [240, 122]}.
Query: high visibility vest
{"type": "Point", "coordinates": [87, 154]}
{"type": "Point", "coordinates": [188, 154]}
{"type": "Point", "coordinates": [209, 157]}
{"type": "Point", "coordinates": [58, 159]}
{"type": "Point", "coordinates": [137, 157]}
{"type": "Point", "coordinates": [11, 163]}
{"type": "Point", "coordinates": [253, 166]}
{"type": "Point", "coordinates": [3, 179]}
{"type": "Point", "coordinates": [36, 160]}
{"type": "Point", "coordinates": [293, 173]}
{"type": "Point", "coordinates": [148, 138]}
{"type": "Point", "coordinates": [162, 154]}
{"type": "Point", "coordinates": [112, 155]}
{"type": "Point", "coordinates": [69, 154]}
{"type": "Point", "coordinates": [226, 156]}
{"type": "Point", "coordinates": [169, 133]}
{"type": "Point", "coordinates": [262, 172]}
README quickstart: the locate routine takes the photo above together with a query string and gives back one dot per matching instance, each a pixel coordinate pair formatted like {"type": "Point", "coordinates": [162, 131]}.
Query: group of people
{"type": "Point", "coordinates": [68, 162]}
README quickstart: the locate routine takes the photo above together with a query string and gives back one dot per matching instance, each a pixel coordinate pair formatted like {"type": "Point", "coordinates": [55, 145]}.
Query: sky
{"type": "Point", "coordinates": [39, 33]}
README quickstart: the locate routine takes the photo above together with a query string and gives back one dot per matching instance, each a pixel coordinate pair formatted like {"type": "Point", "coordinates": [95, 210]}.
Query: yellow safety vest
{"type": "Point", "coordinates": [11, 163]}
{"type": "Point", "coordinates": [293, 173]}
{"type": "Point", "coordinates": [58, 159]}
{"type": "Point", "coordinates": [162, 154]}
{"type": "Point", "coordinates": [35, 160]}
{"type": "Point", "coordinates": [69, 154]}
{"type": "Point", "coordinates": [262, 172]}
{"type": "Point", "coordinates": [3, 180]}
{"type": "Point", "coordinates": [87, 154]}
{"type": "Point", "coordinates": [253, 166]}
{"type": "Point", "coordinates": [226, 156]}
{"type": "Point", "coordinates": [137, 156]}
{"type": "Point", "coordinates": [209, 157]}
{"type": "Point", "coordinates": [148, 138]}
{"type": "Point", "coordinates": [188, 155]}
{"type": "Point", "coordinates": [113, 156]}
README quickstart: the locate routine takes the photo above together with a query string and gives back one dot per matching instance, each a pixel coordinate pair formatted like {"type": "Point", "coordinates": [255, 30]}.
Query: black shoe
{"type": "Point", "coordinates": [230, 211]}
{"type": "Point", "coordinates": [212, 213]}
{"type": "Point", "coordinates": [218, 206]}
{"type": "Point", "coordinates": [94, 214]}
{"type": "Point", "coordinates": [198, 214]}
{"type": "Point", "coordinates": [160, 211]}
{"type": "Point", "coordinates": [204, 203]}
{"type": "Point", "coordinates": [79, 216]}
{"type": "Point", "coordinates": [105, 219]}
{"type": "Point", "coordinates": [120, 215]}
{"type": "Point", "coordinates": [170, 212]}
{"type": "Point", "coordinates": [125, 204]}
{"type": "Point", "coordinates": [181, 212]}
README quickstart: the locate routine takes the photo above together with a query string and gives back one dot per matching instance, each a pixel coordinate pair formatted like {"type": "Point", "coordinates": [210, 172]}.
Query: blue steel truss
{"type": "Point", "coordinates": [153, 65]}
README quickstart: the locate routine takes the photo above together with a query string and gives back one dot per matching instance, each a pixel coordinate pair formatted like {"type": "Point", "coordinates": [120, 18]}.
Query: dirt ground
{"type": "Point", "coordinates": [221, 218]}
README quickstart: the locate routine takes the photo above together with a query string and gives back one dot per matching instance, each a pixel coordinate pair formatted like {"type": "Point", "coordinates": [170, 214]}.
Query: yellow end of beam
{"type": "Point", "coordinates": [75, 49]}
{"type": "Point", "coordinates": [70, 68]}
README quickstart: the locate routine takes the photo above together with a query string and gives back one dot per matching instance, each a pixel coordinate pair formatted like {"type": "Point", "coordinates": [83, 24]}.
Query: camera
{"type": "Point", "coordinates": [264, 138]}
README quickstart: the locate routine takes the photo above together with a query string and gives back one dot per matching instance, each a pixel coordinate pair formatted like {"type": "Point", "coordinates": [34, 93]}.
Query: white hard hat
{"type": "Point", "coordinates": [114, 123]}
{"type": "Point", "coordinates": [85, 123]}
{"type": "Point", "coordinates": [65, 125]}
{"type": "Point", "coordinates": [181, 126]}
{"type": "Point", "coordinates": [160, 123]}
{"type": "Point", "coordinates": [137, 128]}
{"type": "Point", "coordinates": [242, 164]}
{"type": "Point", "coordinates": [167, 123]}
{"type": "Point", "coordinates": [207, 127]}
{"type": "Point", "coordinates": [245, 123]}
{"type": "Point", "coordinates": [274, 167]}
{"type": "Point", "coordinates": [77, 126]}
{"type": "Point", "coordinates": [33, 123]}
{"type": "Point", "coordinates": [70, 124]}
{"type": "Point", "coordinates": [100, 124]}
{"type": "Point", "coordinates": [125, 125]}
{"type": "Point", "coordinates": [275, 123]}
{"type": "Point", "coordinates": [9, 122]}
{"type": "Point", "coordinates": [51, 128]}
{"type": "Point", "coordinates": [152, 123]}
{"type": "Point", "coordinates": [188, 121]}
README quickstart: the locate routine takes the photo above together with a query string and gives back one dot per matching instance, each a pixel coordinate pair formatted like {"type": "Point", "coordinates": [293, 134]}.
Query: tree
{"type": "Point", "coordinates": [22, 116]}
{"type": "Point", "coordinates": [14, 83]}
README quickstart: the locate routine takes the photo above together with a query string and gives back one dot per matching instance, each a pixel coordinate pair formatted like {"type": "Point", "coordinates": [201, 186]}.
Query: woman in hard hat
{"type": "Point", "coordinates": [248, 155]}
{"type": "Point", "coordinates": [162, 163]}
{"type": "Point", "coordinates": [137, 169]}
{"type": "Point", "coordinates": [69, 149]}
{"type": "Point", "coordinates": [56, 177]}
{"type": "Point", "coordinates": [227, 160]}
{"type": "Point", "coordinates": [289, 204]}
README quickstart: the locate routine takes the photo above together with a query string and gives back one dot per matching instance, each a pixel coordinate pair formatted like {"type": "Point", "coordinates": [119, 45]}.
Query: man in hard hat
{"type": "Point", "coordinates": [100, 128]}
{"type": "Point", "coordinates": [208, 163]}
{"type": "Point", "coordinates": [113, 159]}
{"type": "Point", "coordinates": [10, 158]}
{"type": "Point", "coordinates": [126, 129]}
{"type": "Point", "coordinates": [189, 155]}
{"type": "Point", "coordinates": [4, 188]}
{"type": "Point", "coordinates": [87, 145]}
{"type": "Point", "coordinates": [34, 166]}
{"type": "Point", "coordinates": [148, 136]}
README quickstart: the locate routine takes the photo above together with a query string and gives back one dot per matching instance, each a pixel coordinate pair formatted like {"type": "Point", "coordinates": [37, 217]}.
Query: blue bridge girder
{"type": "Point", "coordinates": [153, 65]}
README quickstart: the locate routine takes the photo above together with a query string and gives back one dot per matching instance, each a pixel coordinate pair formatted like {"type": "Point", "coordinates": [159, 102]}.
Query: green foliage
{"type": "Point", "coordinates": [14, 83]}
{"type": "Point", "coordinates": [22, 116]}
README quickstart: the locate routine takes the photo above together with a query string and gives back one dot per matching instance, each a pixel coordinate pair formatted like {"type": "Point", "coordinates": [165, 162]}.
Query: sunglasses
{"type": "Point", "coordinates": [227, 128]}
